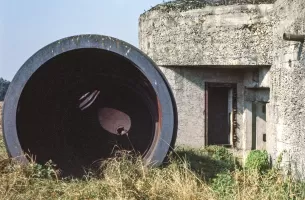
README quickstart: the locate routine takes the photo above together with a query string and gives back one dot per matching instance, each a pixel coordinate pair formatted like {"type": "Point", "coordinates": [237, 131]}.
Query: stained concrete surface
{"type": "Point", "coordinates": [201, 45]}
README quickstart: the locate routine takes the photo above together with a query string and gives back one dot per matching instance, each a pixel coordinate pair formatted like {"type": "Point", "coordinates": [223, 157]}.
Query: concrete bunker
{"type": "Point", "coordinates": [216, 62]}
{"type": "Point", "coordinates": [260, 48]}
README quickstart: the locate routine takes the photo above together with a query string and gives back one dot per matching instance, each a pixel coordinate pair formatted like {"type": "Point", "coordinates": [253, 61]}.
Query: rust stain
{"type": "Point", "coordinates": [118, 44]}
{"type": "Point", "coordinates": [157, 131]}
{"type": "Point", "coordinates": [114, 121]}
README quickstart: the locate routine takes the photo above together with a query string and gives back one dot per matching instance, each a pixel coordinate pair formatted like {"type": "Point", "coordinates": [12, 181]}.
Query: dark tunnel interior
{"type": "Point", "coordinates": [65, 105]}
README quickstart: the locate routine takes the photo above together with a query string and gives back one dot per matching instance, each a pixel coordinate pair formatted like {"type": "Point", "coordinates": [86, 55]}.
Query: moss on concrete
{"type": "Point", "coordinates": [184, 5]}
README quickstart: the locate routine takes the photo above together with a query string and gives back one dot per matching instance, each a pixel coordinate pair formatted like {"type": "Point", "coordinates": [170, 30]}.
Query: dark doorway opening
{"type": "Point", "coordinates": [220, 113]}
{"type": "Point", "coordinates": [258, 125]}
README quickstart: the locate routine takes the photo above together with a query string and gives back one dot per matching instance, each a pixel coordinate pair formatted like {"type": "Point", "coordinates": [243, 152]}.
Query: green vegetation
{"type": "Point", "coordinates": [3, 88]}
{"type": "Point", "coordinates": [207, 173]}
{"type": "Point", "coordinates": [184, 5]}
{"type": "Point", "coordinates": [210, 173]}
{"type": "Point", "coordinates": [258, 160]}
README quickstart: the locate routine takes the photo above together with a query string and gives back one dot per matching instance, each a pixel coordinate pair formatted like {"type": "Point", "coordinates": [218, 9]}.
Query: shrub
{"type": "Point", "coordinates": [258, 160]}
{"type": "Point", "coordinates": [3, 88]}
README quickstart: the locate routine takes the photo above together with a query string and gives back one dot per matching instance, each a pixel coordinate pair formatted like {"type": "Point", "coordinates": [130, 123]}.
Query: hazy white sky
{"type": "Point", "coordinates": [28, 25]}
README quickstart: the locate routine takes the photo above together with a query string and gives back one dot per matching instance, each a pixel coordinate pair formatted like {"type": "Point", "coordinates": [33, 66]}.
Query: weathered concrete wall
{"type": "Point", "coordinates": [286, 122]}
{"type": "Point", "coordinates": [188, 85]}
{"type": "Point", "coordinates": [232, 35]}
{"type": "Point", "coordinates": [212, 39]}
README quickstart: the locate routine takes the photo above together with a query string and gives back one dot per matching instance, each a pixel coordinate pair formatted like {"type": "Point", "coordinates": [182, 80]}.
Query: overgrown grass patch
{"type": "Point", "coordinates": [205, 173]}
{"type": "Point", "coordinates": [206, 162]}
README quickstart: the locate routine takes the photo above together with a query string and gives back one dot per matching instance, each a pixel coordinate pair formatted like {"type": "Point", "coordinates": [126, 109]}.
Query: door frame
{"type": "Point", "coordinates": [232, 117]}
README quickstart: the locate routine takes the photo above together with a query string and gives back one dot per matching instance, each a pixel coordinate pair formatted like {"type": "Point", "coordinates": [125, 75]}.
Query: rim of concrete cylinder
{"type": "Point", "coordinates": [164, 138]}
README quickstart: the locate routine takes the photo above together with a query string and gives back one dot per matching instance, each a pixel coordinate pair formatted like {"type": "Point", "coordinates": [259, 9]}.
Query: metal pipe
{"type": "Point", "coordinates": [293, 37]}
{"type": "Point", "coordinates": [79, 98]}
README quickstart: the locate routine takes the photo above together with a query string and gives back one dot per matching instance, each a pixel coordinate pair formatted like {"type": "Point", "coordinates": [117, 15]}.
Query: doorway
{"type": "Point", "coordinates": [220, 113]}
{"type": "Point", "coordinates": [258, 125]}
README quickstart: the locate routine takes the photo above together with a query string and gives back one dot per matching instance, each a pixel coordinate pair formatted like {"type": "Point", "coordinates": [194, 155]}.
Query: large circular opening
{"type": "Point", "coordinates": [82, 105]}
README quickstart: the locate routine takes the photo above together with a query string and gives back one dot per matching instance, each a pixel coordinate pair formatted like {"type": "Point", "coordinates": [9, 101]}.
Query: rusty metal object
{"type": "Point", "coordinates": [80, 97]}
{"type": "Point", "coordinates": [293, 37]}
{"type": "Point", "coordinates": [114, 121]}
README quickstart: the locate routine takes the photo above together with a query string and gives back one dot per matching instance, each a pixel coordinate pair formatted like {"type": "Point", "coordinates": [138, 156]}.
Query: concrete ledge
{"type": "Point", "coordinates": [233, 35]}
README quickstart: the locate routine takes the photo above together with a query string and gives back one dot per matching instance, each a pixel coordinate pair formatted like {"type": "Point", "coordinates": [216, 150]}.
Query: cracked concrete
{"type": "Point", "coordinates": [240, 44]}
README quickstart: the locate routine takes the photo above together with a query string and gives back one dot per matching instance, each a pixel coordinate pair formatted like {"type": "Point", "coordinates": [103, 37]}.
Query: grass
{"type": "Point", "coordinates": [2, 147]}
{"type": "Point", "coordinates": [207, 173]}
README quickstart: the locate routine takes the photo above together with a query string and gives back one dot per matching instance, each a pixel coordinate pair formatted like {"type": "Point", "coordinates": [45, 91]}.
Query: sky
{"type": "Point", "coordinates": [28, 25]}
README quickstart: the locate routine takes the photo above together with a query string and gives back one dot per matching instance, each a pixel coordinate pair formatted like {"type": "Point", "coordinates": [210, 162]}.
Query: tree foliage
{"type": "Point", "coordinates": [3, 88]}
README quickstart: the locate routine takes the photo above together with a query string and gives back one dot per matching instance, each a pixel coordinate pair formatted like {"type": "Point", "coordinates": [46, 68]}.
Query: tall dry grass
{"type": "Point", "coordinates": [210, 173]}
{"type": "Point", "coordinates": [126, 177]}
{"type": "Point", "coordinates": [2, 147]}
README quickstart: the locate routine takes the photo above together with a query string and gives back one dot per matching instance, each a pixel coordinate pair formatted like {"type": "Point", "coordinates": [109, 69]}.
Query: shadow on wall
{"type": "Point", "coordinates": [189, 81]}
{"type": "Point", "coordinates": [199, 75]}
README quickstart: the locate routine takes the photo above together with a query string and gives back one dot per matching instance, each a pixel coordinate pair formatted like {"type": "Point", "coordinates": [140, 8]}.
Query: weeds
{"type": "Point", "coordinates": [210, 173]}
{"type": "Point", "coordinates": [207, 173]}
{"type": "Point", "coordinates": [258, 160]}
